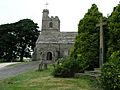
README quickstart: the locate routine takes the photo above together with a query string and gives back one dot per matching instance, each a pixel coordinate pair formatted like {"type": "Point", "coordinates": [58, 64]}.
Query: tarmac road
{"type": "Point", "coordinates": [6, 72]}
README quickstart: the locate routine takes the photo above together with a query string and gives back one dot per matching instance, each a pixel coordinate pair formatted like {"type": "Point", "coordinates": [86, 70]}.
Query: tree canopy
{"type": "Point", "coordinates": [86, 47]}
{"type": "Point", "coordinates": [111, 70]}
{"type": "Point", "coordinates": [114, 30]}
{"type": "Point", "coordinates": [18, 39]}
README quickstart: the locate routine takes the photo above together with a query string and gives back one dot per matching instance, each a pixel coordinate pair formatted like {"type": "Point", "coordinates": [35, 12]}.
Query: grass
{"type": "Point", "coordinates": [43, 80]}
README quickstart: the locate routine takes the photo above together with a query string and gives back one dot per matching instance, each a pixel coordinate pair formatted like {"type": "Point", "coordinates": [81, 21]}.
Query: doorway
{"type": "Point", "coordinates": [49, 56]}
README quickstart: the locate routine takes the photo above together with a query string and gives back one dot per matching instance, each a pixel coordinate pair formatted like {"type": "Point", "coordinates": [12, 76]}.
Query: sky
{"type": "Point", "coordinates": [69, 11]}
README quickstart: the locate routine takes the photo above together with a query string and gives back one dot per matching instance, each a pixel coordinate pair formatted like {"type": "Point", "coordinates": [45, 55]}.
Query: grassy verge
{"type": "Point", "coordinates": [43, 80]}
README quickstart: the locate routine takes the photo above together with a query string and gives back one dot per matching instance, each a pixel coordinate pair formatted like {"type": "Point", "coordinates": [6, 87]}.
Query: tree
{"type": "Point", "coordinates": [114, 30]}
{"type": "Point", "coordinates": [86, 47]}
{"type": "Point", "coordinates": [18, 39]}
{"type": "Point", "coordinates": [7, 42]}
{"type": "Point", "coordinates": [26, 34]}
{"type": "Point", "coordinates": [110, 76]}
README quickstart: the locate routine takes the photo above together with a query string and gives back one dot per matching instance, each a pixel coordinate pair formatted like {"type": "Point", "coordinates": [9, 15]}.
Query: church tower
{"type": "Point", "coordinates": [50, 24]}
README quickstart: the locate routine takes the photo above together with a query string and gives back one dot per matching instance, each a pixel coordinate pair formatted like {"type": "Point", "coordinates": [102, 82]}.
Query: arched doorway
{"type": "Point", "coordinates": [49, 56]}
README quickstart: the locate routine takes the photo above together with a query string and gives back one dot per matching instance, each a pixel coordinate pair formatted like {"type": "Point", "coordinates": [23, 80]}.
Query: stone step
{"type": "Point", "coordinates": [79, 74]}
{"type": "Point", "coordinates": [97, 68]}
{"type": "Point", "coordinates": [95, 73]}
{"type": "Point", "coordinates": [82, 74]}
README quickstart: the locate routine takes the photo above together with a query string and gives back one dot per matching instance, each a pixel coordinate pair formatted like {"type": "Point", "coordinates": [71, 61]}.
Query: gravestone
{"type": "Point", "coordinates": [40, 65]}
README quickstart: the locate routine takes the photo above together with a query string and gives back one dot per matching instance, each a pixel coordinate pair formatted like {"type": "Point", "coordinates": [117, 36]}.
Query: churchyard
{"type": "Point", "coordinates": [92, 63]}
{"type": "Point", "coordinates": [43, 80]}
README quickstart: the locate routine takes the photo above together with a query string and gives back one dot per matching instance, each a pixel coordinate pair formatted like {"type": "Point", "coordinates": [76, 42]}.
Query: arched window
{"type": "Point", "coordinates": [49, 56]}
{"type": "Point", "coordinates": [51, 25]}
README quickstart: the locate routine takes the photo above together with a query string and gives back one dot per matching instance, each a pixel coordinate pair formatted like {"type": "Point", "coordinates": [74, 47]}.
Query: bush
{"type": "Point", "coordinates": [66, 68]}
{"type": "Point", "coordinates": [110, 78]}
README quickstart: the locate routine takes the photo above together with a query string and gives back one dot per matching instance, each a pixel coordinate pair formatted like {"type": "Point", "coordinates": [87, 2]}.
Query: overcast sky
{"type": "Point", "coordinates": [69, 11]}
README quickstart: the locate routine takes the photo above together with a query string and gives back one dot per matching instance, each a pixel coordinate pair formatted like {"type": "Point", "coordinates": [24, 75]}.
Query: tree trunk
{"type": "Point", "coordinates": [22, 54]}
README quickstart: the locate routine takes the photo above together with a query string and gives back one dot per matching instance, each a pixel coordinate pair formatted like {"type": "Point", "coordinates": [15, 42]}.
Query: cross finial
{"type": "Point", "coordinates": [108, 15]}
{"type": "Point", "coordinates": [46, 4]}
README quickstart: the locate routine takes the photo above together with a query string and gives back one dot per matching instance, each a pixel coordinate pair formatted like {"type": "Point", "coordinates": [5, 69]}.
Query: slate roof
{"type": "Point", "coordinates": [57, 37]}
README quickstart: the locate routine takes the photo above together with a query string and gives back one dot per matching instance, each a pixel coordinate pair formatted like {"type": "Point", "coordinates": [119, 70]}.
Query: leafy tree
{"type": "Point", "coordinates": [7, 42]}
{"type": "Point", "coordinates": [114, 30]}
{"type": "Point", "coordinates": [18, 39]}
{"type": "Point", "coordinates": [26, 34]}
{"type": "Point", "coordinates": [110, 78]}
{"type": "Point", "coordinates": [86, 47]}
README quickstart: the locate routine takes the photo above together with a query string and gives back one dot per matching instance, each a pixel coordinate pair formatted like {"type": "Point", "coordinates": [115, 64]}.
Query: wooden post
{"type": "Point", "coordinates": [101, 52]}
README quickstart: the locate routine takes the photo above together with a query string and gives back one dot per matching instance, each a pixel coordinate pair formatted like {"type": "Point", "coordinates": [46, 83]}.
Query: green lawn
{"type": "Point", "coordinates": [43, 80]}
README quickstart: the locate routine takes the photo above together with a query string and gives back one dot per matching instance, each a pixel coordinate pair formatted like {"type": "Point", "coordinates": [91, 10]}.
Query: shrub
{"type": "Point", "coordinates": [66, 68]}
{"type": "Point", "coordinates": [110, 78]}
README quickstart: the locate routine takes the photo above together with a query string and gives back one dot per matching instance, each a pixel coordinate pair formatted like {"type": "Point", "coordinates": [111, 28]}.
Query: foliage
{"type": "Point", "coordinates": [114, 30]}
{"type": "Point", "coordinates": [17, 39]}
{"type": "Point", "coordinates": [86, 47]}
{"type": "Point", "coordinates": [110, 77]}
{"type": "Point", "coordinates": [66, 68]}
{"type": "Point", "coordinates": [26, 34]}
{"type": "Point", "coordinates": [8, 42]}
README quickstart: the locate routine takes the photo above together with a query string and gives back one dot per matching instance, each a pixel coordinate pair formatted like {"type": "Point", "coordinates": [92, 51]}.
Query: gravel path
{"type": "Point", "coordinates": [7, 72]}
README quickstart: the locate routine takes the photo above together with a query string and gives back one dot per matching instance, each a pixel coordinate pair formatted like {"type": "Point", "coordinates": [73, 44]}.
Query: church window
{"type": "Point", "coordinates": [40, 52]}
{"type": "Point", "coordinates": [51, 25]}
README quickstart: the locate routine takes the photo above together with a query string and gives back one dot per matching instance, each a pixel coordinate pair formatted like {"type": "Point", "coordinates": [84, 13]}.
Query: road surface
{"type": "Point", "coordinates": [6, 72]}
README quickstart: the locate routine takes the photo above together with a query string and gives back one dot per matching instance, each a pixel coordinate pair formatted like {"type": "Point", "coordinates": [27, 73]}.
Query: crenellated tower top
{"type": "Point", "coordinates": [50, 23]}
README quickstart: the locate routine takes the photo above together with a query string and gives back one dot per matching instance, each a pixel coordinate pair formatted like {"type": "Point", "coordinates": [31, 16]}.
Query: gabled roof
{"type": "Point", "coordinates": [57, 37]}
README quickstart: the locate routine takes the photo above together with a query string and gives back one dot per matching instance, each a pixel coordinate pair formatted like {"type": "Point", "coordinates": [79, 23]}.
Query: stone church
{"type": "Point", "coordinates": [52, 44]}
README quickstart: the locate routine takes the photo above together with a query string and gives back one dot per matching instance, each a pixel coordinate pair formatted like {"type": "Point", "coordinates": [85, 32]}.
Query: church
{"type": "Point", "coordinates": [51, 43]}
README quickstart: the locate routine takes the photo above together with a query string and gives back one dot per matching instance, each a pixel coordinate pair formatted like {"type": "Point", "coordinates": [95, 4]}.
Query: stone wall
{"type": "Point", "coordinates": [58, 50]}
